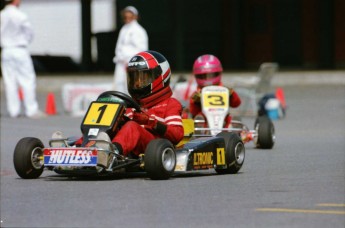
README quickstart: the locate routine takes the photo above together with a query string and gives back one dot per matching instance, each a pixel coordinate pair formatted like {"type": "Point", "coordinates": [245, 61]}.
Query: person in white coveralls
{"type": "Point", "coordinates": [16, 63]}
{"type": "Point", "coordinates": [132, 39]}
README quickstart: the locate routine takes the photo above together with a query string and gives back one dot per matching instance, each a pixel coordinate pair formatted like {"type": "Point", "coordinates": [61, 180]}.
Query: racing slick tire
{"type": "Point", "coordinates": [160, 159]}
{"type": "Point", "coordinates": [265, 133]}
{"type": "Point", "coordinates": [27, 158]}
{"type": "Point", "coordinates": [234, 153]}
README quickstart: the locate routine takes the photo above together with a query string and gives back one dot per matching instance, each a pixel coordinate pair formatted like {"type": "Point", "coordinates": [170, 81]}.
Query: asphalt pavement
{"type": "Point", "coordinates": [299, 183]}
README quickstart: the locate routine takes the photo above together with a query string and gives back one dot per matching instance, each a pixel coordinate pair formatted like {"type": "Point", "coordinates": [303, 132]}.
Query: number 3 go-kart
{"type": "Point", "coordinates": [98, 156]}
{"type": "Point", "coordinates": [215, 109]}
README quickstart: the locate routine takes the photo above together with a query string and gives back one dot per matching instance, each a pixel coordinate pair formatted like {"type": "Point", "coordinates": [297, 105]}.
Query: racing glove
{"type": "Point", "coordinates": [143, 118]}
{"type": "Point", "coordinates": [231, 90]}
{"type": "Point", "coordinates": [196, 97]}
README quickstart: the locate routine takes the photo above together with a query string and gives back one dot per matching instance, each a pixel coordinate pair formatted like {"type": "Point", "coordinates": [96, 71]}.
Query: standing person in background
{"type": "Point", "coordinates": [132, 39]}
{"type": "Point", "coordinates": [16, 63]}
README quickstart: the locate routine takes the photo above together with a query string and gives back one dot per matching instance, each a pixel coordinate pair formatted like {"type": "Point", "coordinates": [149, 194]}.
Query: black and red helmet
{"type": "Point", "coordinates": [147, 73]}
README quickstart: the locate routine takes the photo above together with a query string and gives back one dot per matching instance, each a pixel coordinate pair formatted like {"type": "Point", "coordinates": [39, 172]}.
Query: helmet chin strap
{"type": "Point", "coordinates": [155, 98]}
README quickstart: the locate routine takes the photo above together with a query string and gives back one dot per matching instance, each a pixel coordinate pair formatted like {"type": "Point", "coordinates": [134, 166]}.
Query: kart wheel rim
{"type": "Point", "coordinates": [256, 137]}
{"type": "Point", "coordinates": [239, 153]}
{"type": "Point", "coordinates": [168, 159]}
{"type": "Point", "coordinates": [273, 134]}
{"type": "Point", "coordinates": [36, 158]}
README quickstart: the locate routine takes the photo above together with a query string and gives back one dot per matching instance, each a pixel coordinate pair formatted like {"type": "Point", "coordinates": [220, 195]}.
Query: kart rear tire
{"type": "Point", "coordinates": [160, 159]}
{"type": "Point", "coordinates": [265, 131]}
{"type": "Point", "coordinates": [234, 153]}
{"type": "Point", "coordinates": [26, 158]}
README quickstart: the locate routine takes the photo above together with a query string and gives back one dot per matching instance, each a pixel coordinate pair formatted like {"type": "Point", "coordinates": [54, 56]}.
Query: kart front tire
{"type": "Point", "coordinates": [234, 153]}
{"type": "Point", "coordinates": [265, 131]}
{"type": "Point", "coordinates": [27, 158]}
{"type": "Point", "coordinates": [160, 159]}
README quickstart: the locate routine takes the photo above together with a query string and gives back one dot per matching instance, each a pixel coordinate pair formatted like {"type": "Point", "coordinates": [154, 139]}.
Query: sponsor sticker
{"type": "Point", "coordinates": [70, 157]}
{"type": "Point", "coordinates": [136, 63]}
{"type": "Point", "coordinates": [93, 131]}
{"type": "Point", "coordinates": [202, 160]}
{"type": "Point", "coordinates": [220, 156]}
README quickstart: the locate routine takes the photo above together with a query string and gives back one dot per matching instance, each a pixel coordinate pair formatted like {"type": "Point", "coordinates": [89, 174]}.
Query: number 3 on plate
{"type": "Point", "coordinates": [211, 100]}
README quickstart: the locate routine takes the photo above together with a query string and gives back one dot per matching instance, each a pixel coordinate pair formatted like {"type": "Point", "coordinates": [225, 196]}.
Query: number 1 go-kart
{"type": "Point", "coordinates": [223, 152]}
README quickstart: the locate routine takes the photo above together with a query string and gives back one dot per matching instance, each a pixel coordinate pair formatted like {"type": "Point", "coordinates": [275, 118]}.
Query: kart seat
{"type": "Point", "coordinates": [188, 131]}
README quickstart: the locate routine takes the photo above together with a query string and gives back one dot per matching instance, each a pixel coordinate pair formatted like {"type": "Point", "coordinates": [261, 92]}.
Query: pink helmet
{"type": "Point", "coordinates": [207, 70]}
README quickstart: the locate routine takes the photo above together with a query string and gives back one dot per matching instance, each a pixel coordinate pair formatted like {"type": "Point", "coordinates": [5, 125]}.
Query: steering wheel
{"type": "Point", "coordinates": [130, 102]}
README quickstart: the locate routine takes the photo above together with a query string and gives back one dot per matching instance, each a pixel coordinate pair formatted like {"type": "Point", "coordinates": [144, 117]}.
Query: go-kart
{"type": "Point", "coordinates": [215, 110]}
{"type": "Point", "coordinates": [96, 155]}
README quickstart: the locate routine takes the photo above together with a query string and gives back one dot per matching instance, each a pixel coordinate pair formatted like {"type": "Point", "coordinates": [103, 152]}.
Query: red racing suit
{"type": "Point", "coordinates": [134, 137]}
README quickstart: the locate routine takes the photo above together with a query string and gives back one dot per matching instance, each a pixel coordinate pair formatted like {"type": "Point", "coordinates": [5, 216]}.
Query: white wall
{"type": "Point", "coordinates": [57, 24]}
{"type": "Point", "coordinates": [103, 15]}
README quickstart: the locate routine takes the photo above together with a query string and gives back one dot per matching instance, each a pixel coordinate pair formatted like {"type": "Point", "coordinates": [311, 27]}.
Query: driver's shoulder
{"type": "Point", "coordinates": [173, 101]}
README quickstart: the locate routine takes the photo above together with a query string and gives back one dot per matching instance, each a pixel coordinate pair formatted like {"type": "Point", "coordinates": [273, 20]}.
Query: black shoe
{"type": "Point", "coordinates": [118, 148]}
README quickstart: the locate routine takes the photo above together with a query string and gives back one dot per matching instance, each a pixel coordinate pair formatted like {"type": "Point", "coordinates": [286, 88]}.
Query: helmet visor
{"type": "Point", "coordinates": [139, 79]}
{"type": "Point", "coordinates": [207, 75]}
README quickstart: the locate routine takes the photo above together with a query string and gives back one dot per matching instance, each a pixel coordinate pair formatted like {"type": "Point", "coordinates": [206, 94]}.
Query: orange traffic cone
{"type": "Point", "coordinates": [21, 94]}
{"type": "Point", "coordinates": [50, 105]}
{"type": "Point", "coordinates": [281, 97]}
